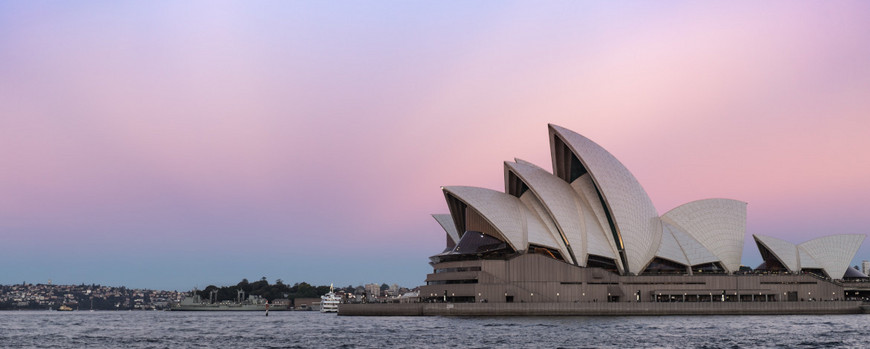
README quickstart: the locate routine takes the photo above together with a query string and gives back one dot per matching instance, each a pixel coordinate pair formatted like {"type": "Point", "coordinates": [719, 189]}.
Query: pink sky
{"type": "Point", "coordinates": [171, 145]}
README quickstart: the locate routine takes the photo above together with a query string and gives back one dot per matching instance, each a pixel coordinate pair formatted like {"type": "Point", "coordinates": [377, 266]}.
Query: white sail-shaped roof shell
{"type": "Point", "coordinates": [670, 248]}
{"type": "Point", "coordinates": [517, 225]}
{"type": "Point", "coordinates": [548, 233]}
{"type": "Point", "coordinates": [717, 224]}
{"type": "Point", "coordinates": [560, 203]}
{"type": "Point", "coordinates": [681, 247]}
{"type": "Point", "coordinates": [695, 252]}
{"type": "Point", "coordinates": [598, 239]}
{"type": "Point", "coordinates": [500, 210]}
{"type": "Point", "coordinates": [592, 205]}
{"type": "Point", "coordinates": [834, 253]}
{"type": "Point", "coordinates": [446, 222]}
{"type": "Point", "coordinates": [805, 260]}
{"type": "Point", "coordinates": [785, 252]}
{"type": "Point", "coordinates": [634, 216]}
{"type": "Point", "coordinates": [524, 162]}
{"type": "Point", "coordinates": [830, 253]}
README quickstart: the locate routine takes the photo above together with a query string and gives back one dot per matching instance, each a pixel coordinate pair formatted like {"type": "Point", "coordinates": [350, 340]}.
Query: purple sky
{"type": "Point", "coordinates": [166, 145]}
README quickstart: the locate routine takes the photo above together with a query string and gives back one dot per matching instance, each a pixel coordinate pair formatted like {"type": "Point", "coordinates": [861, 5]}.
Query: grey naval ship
{"type": "Point", "coordinates": [194, 302]}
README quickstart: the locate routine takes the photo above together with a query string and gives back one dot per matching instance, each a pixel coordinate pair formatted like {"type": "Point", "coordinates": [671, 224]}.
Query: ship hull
{"type": "Point", "coordinates": [222, 307]}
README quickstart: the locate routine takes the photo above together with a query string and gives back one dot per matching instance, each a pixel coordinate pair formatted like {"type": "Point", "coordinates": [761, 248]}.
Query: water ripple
{"type": "Point", "coordinates": [27, 329]}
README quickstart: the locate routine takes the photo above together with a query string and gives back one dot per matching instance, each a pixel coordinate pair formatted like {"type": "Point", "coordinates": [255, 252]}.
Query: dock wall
{"type": "Point", "coordinates": [602, 309]}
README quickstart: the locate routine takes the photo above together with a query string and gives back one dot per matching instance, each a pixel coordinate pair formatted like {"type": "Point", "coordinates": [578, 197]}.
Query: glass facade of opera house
{"type": "Point", "coordinates": [588, 232]}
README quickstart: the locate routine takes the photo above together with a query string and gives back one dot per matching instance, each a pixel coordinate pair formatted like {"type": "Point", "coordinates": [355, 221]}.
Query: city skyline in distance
{"type": "Point", "coordinates": [172, 146]}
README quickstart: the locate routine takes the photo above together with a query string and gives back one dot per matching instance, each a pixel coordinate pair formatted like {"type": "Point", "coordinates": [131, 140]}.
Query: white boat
{"type": "Point", "coordinates": [329, 302]}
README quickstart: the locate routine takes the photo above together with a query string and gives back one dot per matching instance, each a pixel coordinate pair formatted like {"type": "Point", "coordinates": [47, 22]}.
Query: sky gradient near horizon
{"type": "Point", "coordinates": [175, 145]}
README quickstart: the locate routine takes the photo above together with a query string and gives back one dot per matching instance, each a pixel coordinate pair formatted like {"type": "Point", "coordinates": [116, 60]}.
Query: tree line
{"type": "Point", "coordinates": [266, 290]}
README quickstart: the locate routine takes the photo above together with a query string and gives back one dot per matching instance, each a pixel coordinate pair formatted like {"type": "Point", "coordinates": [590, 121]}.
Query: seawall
{"type": "Point", "coordinates": [602, 309]}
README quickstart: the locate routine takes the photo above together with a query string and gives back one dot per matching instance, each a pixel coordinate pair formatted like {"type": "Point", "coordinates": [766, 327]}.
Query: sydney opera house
{"type": "Point", "coordinates": [588, 233]}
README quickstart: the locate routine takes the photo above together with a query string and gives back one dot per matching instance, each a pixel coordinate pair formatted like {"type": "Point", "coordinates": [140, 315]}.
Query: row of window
{"type": "Point", "coordinates": [451, 282]}
{"type": "Point", "coordinates": [456, 270]}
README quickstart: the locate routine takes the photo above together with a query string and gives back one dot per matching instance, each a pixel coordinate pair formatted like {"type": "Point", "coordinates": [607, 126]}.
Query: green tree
{"type": "Point", "coordinates": [259, 287]}
{"type": "Point", "coordinates": [264, 289]}
{"type": "Point", "coordinates": [304, 290]}
{"type": "Point", "coordinates": [206, 293]}
{"type": "Point", "coordinates": [244, 285]}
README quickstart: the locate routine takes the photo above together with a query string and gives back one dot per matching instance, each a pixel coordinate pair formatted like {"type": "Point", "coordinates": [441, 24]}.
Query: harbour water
{"type": "Point", "coordinates": [154, 329]}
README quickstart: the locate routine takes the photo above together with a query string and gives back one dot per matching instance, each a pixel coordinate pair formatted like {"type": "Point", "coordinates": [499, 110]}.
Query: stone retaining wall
{"type": "Point", "coordinates": [616, 309]}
